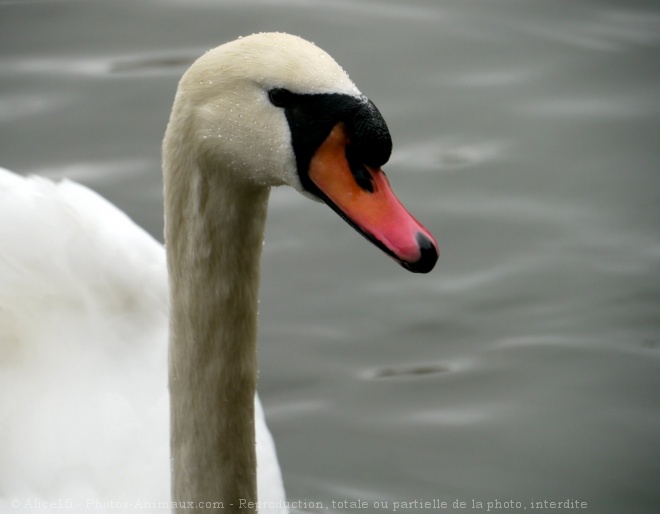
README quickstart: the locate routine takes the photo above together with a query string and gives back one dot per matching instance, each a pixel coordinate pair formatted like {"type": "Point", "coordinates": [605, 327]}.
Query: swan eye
{"type": "Point", "coordinates": [280, 97]}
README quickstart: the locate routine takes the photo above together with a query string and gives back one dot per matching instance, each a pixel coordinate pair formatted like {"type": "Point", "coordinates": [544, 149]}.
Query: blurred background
{"type": "Point", "coordinates": [527, 364]}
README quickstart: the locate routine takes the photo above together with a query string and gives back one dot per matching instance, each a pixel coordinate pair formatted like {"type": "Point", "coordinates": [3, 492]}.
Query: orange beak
{"type": "Point", "coordinates": [364, 198]}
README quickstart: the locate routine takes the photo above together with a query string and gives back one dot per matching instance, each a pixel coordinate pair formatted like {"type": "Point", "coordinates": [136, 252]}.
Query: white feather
{"type": "Point", "coordinates": [83, 353]}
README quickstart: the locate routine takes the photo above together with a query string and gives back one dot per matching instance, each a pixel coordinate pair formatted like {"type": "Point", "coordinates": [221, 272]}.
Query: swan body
{"type": "Point", "coordinates": [83, 354]}
{"type": "Point", "coordinates": [85, 304]}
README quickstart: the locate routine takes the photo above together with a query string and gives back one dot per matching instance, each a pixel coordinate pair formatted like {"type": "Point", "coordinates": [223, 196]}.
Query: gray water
{"type": "Point", "coordinates": [526, 366]}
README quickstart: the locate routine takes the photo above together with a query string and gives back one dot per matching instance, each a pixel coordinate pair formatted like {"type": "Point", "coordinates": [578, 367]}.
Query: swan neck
{"type": "Point", "coordinates": [214, 233]}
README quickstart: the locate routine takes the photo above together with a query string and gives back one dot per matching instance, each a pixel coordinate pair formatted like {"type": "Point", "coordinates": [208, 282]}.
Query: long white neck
{"type": "Point", "coordinates": [214, 228]}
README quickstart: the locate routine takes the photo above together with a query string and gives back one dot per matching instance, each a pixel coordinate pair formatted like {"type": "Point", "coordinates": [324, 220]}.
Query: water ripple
{"type": "Point", "coordinates": [99, 66]}
{"type": "Point", "coordinates": [447, 154]}
{"type": "Point", "coordinates": [589, 107]}
{"type": "Point", "coordinates": [490, 78]}
{"type": "Point", "coordinates": [607, 30]}
{"type": "Point", "coordinates": [19, 106]}
{"type": "Point", "coordinates": [461, 416]}
{"type": "Point", "coordinates": [410, 371]}
{"type": "Point", "coordinates": [108, 172]}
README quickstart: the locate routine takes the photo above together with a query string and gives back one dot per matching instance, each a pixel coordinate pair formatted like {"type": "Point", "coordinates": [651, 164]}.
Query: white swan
{"type": "Point", "coordinates": [83, 291]}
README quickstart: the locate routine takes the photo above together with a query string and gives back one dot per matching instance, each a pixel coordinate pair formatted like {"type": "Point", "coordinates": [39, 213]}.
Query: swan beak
{"type": "Point", "coordinates": [363, 197]}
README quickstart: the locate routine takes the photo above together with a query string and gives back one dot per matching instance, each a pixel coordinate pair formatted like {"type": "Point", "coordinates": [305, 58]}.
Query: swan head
{"type": "Point", "coordinates": [274, 109]}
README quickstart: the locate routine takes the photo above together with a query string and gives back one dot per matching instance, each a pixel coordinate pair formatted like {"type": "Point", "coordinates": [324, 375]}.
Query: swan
{"type": "Point", "coordinates": [104, 334]}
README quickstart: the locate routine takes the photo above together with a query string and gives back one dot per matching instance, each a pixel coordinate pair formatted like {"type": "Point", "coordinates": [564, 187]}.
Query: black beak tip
{"type": "Point", "coordinates": [428, 258]}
